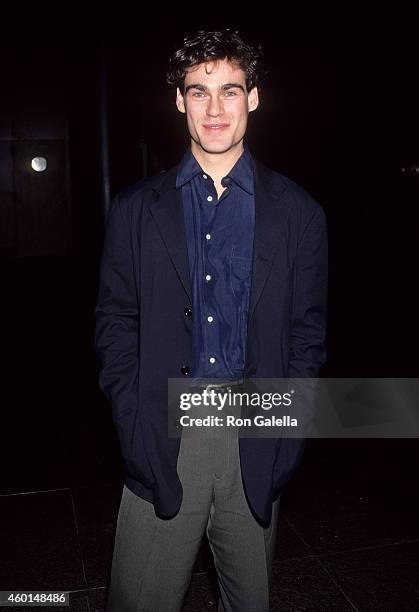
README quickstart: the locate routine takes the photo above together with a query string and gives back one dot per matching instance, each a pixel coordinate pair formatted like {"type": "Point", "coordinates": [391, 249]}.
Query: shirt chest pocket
{"type": "Point", "coordinates": [240, 276]}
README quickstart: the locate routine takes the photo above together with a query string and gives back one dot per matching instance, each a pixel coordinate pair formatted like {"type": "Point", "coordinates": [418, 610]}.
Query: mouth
{"type": "Point", "coordinates": [216, 127]}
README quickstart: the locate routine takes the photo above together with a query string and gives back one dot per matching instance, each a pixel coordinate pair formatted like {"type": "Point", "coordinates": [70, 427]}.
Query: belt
{"type": "Point", "coordinates": [225, 385]}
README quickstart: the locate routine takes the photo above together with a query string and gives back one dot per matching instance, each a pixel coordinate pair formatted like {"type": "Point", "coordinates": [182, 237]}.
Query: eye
{"type": "Point", "coordinates": [230, 93]}
{"type": "Point", "coordinates": [198, 94]}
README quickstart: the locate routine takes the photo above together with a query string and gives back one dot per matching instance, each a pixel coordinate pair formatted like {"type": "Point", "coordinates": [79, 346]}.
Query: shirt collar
{"type": "Point", "coordinates": [188, 169]}
{"type": "Point", "coordinates": [241, 173]}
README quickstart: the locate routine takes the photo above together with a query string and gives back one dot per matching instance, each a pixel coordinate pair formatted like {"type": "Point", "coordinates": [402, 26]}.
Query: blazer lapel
{"type": "Point", "coordinates": [270, 217]}
{"type": "Point", "coordinates": [167, 211]}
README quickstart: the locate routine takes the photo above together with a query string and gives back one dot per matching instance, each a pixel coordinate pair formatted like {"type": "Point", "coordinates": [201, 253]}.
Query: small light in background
{"type": "Point", "coordinates": [411, 169]}
{"type": "Point", "coordinates": [39, 164]}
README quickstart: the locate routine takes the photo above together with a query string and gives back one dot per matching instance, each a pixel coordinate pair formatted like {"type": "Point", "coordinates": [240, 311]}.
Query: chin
{"type": "Point", "coordinates": [216, 147]}
{"type": "Point", "coordinates": [213, 149]}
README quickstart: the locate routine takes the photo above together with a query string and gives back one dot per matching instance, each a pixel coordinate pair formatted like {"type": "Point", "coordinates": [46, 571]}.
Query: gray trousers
{"type": "Point", "coordinates": [153, 558]}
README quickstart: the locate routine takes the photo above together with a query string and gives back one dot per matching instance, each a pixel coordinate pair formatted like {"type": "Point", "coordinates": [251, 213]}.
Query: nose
{"type": "Point", "coordinates": [215, 106]}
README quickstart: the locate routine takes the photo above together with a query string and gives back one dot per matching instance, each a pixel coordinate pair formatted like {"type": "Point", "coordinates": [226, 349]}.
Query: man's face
{"type": "Point", "coordinates": [217, 105]}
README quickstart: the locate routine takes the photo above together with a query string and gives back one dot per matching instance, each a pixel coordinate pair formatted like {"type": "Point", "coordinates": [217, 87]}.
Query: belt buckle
{"type": "Point", "coordinates": [227, 385]}
{"type": "Point", "coordinates": [215, 386]}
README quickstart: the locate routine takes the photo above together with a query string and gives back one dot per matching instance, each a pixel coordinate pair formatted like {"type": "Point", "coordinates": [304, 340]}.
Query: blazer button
{"type": "Point", "coordinates": [188, 312]}
{"type": "Point", "coordinates": [185, 369]}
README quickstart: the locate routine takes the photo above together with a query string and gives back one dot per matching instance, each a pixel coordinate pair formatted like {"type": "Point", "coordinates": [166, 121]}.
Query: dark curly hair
{"type": "Point", "coordinates": [210, 45]}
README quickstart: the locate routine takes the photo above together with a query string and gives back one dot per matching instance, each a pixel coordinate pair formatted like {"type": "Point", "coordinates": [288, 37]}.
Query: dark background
{"type": "Point", "coordinates": [338, 114]}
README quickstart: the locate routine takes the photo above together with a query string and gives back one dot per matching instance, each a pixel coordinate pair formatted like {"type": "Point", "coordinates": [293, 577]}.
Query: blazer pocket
{"type": "Point", "coordinates": [132, 448]}
{"type": "Point", "coordinates": [289, 453]}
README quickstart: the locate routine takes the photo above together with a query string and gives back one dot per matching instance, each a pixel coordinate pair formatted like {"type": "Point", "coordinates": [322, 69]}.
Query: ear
{"type": "Point", "coordinates": [253, 99]}
{"type": "Point", "coordinates": [180, 102]}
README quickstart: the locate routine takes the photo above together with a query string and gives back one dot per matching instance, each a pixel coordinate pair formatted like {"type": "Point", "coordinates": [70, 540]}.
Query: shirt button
{"type": "Point", "coordinates": [208, 236]}
{"type": "Point", "coordinates": [185, 370]}
{"type": "Point", "coordinates": [188, 312]}
{"type": "Point", "coordinates": [208, 277]}
{"type": "Point", "coordinates": [204, 176]}
{"type": "Point", "coordinates": [209, 198]}
{"type": "Point", "coordinates": [212, 359]}
{"type": "Point", "coordinates": [210, 319]}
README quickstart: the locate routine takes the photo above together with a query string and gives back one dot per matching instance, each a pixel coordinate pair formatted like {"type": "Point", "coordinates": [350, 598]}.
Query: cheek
{"type": "Point", "coordinates": [241, 114]}
{"type": "Point", "coordinates": [241, 119]}
{"type": "Point", "coordinates": [191, 123]}
{"type": "Point", "coordinates": [191, 119]}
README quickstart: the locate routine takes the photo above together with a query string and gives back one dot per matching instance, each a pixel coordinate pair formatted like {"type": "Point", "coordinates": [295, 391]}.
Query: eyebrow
{"type": "Point", "coordinates": [201, 87]}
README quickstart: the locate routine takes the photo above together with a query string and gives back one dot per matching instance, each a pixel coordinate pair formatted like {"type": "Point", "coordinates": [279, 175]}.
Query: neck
{"type": "Point", "coordinates": [217, 165]}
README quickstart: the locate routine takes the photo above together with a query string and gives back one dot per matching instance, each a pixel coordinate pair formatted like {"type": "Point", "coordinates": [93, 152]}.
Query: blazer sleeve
{"type": "Point", "coordinates": [308, 330]}
{"type": "Point", "coordinates": [308, 326]}
{"type": "Point", "coordinates": [116, 314]}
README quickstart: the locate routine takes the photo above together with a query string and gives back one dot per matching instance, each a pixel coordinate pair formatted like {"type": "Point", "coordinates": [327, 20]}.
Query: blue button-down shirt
{"type": "Point", "coordinates": [220, 235]}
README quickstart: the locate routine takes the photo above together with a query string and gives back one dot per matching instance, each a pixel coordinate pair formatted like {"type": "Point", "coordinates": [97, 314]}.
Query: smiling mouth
{"type": "Point", "coordinates": [216, 127]}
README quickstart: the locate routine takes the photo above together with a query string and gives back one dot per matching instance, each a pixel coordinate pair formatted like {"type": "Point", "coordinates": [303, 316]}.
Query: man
{"type": "Point", "coordinates": [216, 269]}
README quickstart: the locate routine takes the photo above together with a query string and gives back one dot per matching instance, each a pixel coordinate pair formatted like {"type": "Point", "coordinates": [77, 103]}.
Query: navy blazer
{"type": "Point", "coordinates": [143, 337]}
